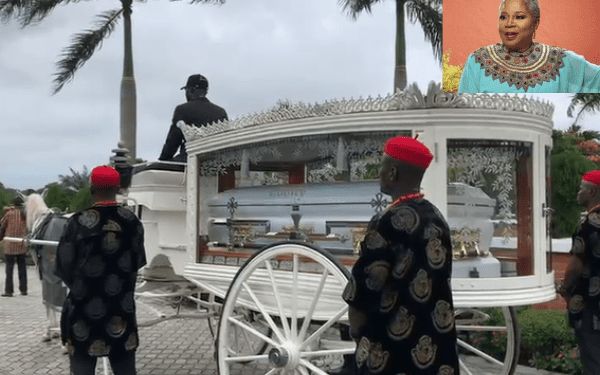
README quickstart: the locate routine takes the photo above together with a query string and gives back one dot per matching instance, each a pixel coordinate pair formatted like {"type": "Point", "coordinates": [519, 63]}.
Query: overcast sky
{"type": "Point", "coordinates": [253, 53]}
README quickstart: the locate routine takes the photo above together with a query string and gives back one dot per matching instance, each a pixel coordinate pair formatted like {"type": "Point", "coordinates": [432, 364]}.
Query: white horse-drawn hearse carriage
{"type": "Point", "coordinates": [266, 216]}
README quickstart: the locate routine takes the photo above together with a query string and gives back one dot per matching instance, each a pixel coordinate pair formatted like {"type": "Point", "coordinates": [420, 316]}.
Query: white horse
{"type": "Point", "coordinates": [44, 224]}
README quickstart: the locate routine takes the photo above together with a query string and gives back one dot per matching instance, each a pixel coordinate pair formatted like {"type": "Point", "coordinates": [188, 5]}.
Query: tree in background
{"type": "Point", "coordinates": [450, 74]}
{"type": "Point", "coordinates": [5, 198]}
{"type": "Point", "coordinates": [585, 103]}
{"type": "Point", "coordinates": [76, 180]}
{"type": "Point", "coordinates": [427, 12]}
{"type": "Point", "coordinates": [591, 149]}
{"type": "Point", "coordinates": [81, 200]}
{"type": "Point", "coordinates": [84, 44]}
{"type": "Point", "coordinates": [58, 197]}
{"type": "Point", "coordinates": [568, 164]}
{"type": "Point", "coordinates": [79, 183]}
{"type": "Point", "coordinates": [575, 152]}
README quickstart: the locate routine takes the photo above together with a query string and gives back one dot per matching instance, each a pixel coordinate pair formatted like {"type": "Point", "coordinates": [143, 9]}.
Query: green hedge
{"type": "Point", "coordinates": [547, 341]}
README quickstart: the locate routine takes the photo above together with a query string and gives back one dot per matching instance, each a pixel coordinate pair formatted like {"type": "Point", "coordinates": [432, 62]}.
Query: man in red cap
{"type": "Point", "coordinates": [581, 284]}
{"type": "Point", "coordinates": [401, 310]}
{"type": "Point", "coordinates": [98, 257]}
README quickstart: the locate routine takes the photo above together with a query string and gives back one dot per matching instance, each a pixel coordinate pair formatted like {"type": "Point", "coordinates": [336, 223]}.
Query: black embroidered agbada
{"type": "Point", "coordinates": [586, 293]}
{"type": "Point", "coordinates": [98, 257]}
{"type": "Point", "coordinates": [401, 283]}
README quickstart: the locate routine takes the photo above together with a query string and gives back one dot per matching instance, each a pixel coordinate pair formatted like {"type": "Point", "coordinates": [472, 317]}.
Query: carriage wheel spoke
{"type": "Point", "coordinates": [247, 358]}
{"type": "Point", "coordinates": [325, 326]}
{"type": "Point", "coordinates": [294, 322]}
{"type": "Point", "coordinates": [264, 313]}
{"type": "Point", "coordinates": [313, 304]}
{"type": "Point", "coordinates": [273, 371]}
{"type": "Point", "coordinates": [324, 353]}
{"type": "Point", "coordinates": [464, 368]}
{"type": "Point", "coordinates": [284, 322]}
{"type": "Point", "coordinates": [247, 338]}
{"type": "Point", "coordinates": [252, 331]}
{"type": "Point", "coordinates": [474, 350]}
{"type": "Point", "coordinates": [471, 328]}
{"type": "Point", "coordinates": [312, 367]}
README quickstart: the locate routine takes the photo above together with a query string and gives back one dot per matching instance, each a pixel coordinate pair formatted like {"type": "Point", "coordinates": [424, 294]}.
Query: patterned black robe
{"type": "Point", "coordinates": [400, 287]}
{"type": "Point", "coordinates": [586, 292]}
{"type": "Point", "coordinates": [98, 257]}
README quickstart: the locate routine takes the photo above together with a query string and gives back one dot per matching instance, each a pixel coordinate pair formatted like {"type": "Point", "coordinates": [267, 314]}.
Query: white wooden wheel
{"type": "Point", "coordinates": [295, 291]}
{"type": "Point", "coordinates": [240, 340]}
{"type": "Point", "coordinates": [488, 340]}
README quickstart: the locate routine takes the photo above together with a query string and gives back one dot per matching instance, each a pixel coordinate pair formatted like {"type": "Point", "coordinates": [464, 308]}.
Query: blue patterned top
{"type": "Point", "coordinates": [540, 69]}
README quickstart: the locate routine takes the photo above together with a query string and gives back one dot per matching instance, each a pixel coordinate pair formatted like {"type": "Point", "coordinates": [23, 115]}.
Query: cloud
{"type": "Point", "coordinates": [253, 53]}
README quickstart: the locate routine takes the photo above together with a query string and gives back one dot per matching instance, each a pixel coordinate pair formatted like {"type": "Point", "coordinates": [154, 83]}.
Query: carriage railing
{"type": "Point", "coordinates": [30, 241]}
{"type": "Point", "coordinates": [217, 278]}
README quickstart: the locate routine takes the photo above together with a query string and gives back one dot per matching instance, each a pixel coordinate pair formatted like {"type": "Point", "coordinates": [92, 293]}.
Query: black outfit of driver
{"type": "Point", "coordinates": [198, 111]}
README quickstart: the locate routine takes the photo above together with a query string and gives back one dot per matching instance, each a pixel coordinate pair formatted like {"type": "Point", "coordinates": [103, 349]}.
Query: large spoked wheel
{"type": "Point", "coordinates": [488, 340]}
{"type": "Point", "coordinates": [241, 341]}
{"type": "Point", "coordinates": [294, 291]}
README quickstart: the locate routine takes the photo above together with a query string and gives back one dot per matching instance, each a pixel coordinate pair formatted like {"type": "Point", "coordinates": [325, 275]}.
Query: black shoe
{"type": "Point", "coordinates": [23, 293]}
{"type": "Point", "coordinates": [7, 294]}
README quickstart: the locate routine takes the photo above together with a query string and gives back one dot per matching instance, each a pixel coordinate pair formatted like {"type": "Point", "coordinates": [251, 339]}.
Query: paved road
{"type": "Point", "coordinates": [174, 347]}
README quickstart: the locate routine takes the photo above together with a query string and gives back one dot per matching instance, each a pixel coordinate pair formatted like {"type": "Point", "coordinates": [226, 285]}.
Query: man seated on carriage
{"type": "Point", "coordinates": [198, 111]}
{"type": "Point", "coordinates": [401, 309]}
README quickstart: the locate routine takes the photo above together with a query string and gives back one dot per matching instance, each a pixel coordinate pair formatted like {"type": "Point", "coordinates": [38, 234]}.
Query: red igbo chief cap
{"type": "Point", "coordinates": [408, 150]}
{"type": "Point", "coordinates": [105, 177]}
{"type": "Point", "coordinates": [592, 177]}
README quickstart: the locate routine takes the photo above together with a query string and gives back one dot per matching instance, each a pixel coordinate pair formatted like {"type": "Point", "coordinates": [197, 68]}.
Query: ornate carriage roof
{"type": "Point", "coordinates": [410, 99]}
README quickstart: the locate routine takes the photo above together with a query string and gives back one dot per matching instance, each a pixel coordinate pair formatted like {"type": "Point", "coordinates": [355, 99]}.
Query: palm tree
{"type": "Point", "coordinates": [76, 180]}
{"type": "Point", "coordinates": [82, 47]}
{"type": "Point", "coordinates": [588, 103]}
{"type": "Point", "coordinates": [427, 12]}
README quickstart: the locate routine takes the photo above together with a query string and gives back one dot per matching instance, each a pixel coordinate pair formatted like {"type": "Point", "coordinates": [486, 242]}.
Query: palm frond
{"type": "Point", "coordinates": [37, 10]}
{"type": "Point", "coordinates": [588, 103]}
{"type": "Point", "coordinates": [429, 14]}
{"type": "Point", "coordinates": [356, 7]}
{"type": "Point", "coordinates": [83, 46]}
{"type": "Point", "coordinates": [11, 8]}
{"type": "Point", "coordinates": [29, 11]}
{"type": "Point", "coordinates": [590, 134]}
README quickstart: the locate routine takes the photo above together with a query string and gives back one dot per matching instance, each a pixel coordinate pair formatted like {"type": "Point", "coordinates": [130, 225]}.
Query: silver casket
{"type": "Point", "coordinates": [334, 216]}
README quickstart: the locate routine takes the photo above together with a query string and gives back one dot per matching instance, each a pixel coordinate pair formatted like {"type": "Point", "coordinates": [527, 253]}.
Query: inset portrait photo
{"type": "Point", "coordinates": [521, 46]}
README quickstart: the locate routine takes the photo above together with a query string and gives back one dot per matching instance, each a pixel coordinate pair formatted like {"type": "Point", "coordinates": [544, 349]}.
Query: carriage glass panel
{"type": "Point", "coordinates": [490, 207]}
{"type": "Point", "coordinates": [323, 189]}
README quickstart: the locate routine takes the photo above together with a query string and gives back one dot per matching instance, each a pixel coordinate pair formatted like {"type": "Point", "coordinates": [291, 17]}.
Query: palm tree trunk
{"type": "Point", "coordinates": [128, 95]}
{"type": "Point", "coordinates": [400, 68]}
